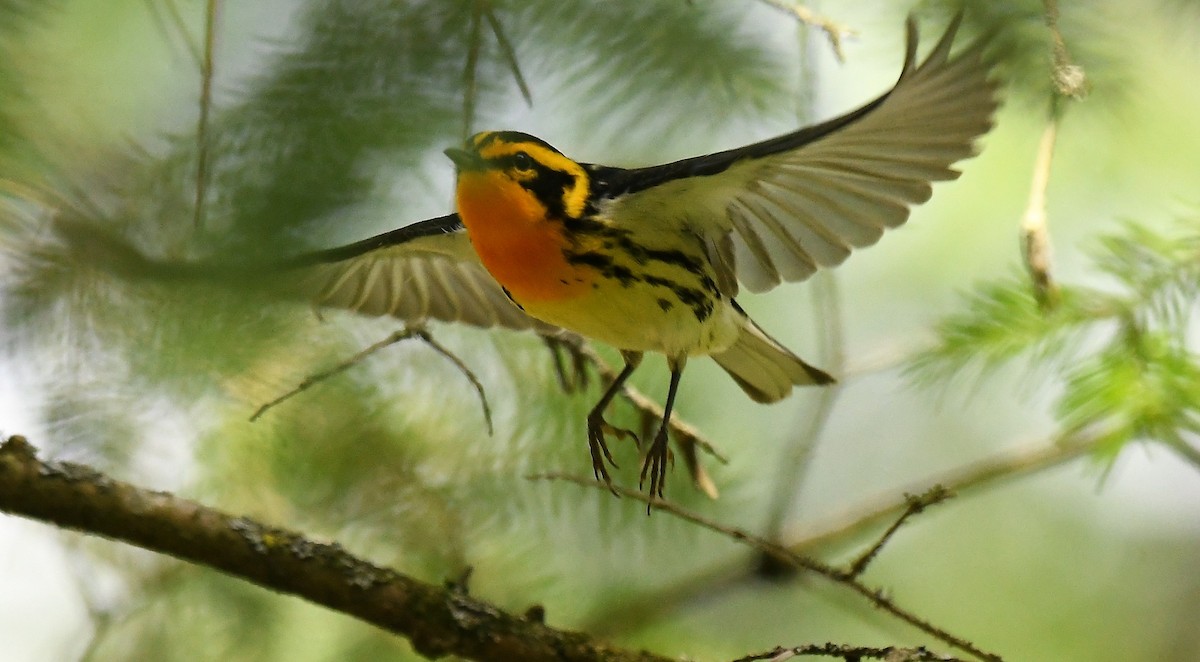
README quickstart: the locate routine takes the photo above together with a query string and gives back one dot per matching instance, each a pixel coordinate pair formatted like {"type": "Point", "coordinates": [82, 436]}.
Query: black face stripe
{"type": "Point", "coordinates": [549, 186]}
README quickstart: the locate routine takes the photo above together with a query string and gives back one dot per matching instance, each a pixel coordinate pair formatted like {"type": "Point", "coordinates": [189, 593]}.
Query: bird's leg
{"type": "Point", "coordinates": [656, 460]}
{"type": "Point", "coordinates": [597, 426]}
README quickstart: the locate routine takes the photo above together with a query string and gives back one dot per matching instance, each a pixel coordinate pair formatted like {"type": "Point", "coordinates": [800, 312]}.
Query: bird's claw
{"type": "Point", "coordinates": [655, 465]}
{"type": "Point", "coordinates": [601, 457]}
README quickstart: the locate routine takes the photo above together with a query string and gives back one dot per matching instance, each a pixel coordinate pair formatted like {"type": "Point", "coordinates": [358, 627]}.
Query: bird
{"type": "Point", "coordinates": [651, 259]}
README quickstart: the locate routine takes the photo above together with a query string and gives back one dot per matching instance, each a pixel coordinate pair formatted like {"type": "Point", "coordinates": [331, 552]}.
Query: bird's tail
{"type": "Point", "coordinates": [765, 369]}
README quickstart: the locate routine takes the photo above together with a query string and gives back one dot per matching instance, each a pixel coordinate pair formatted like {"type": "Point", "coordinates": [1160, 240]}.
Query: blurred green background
{"type": "Point", "coordinates": [327, 122]}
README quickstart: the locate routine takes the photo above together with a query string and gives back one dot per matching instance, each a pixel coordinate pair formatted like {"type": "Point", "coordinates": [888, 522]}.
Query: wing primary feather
{"type": "Point", "coordinates": [792, 259]}
{"type": "Point", "coordinates": [856, 219]}
{"type": "Point", "coordinates": [366, 286]}
{"type": "Point", "coordinates": [330, 293]}
{"type": "Point", "coordinates": [768, 275]}
{"type": "Point", "coordinates": [421, 285]}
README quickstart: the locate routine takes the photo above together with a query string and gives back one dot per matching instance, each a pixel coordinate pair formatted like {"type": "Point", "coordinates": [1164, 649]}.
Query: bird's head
{"type": "Point", "coordinates": [512, 167]}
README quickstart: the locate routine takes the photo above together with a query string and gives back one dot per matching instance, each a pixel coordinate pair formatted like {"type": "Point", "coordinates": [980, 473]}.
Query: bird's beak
{"type": "Point", "coordinates": [463, 160]}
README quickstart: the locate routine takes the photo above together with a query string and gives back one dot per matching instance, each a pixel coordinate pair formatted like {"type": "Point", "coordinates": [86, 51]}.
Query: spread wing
{"type": "Point", "coordinates": [780, 209]}
{"type": "Point", "coordinates": [426, 270]}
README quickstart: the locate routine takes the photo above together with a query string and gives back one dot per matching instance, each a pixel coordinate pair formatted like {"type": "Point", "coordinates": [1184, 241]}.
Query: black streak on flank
{"type": "Point", "coordinates": [665, 305]}
{"type": "Point", "coordinates": [590, 226]}
{"type": "Point", "coordinates": [617, 239]}
{"type": "Point", "coordinates": [700, 303]}
{"type": "Point", "coordinates": [675, 257]}
{"type": "Point", "coordinates": [709, 284]}
{"type": "Point", "coordinates": [604, 264]}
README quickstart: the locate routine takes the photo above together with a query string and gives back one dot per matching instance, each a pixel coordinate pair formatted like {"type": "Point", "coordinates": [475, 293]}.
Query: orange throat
{"type": "Point", "coordinates": [517, 243]}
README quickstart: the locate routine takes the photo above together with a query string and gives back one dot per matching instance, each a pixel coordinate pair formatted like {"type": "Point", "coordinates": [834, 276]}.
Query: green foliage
{"type": "Point", "coordinates": [1002, 321]}
{"type": "Point", "coordinates": [15, 17]}
{"type": "Point", "coordinates": [621, 70]}
{"type": "Point", "coordinates": [1124, 357]}
{"type": "Point", "coordinates": [329, 131]}
{"type": "Point", "coordinates": [1023, 47]}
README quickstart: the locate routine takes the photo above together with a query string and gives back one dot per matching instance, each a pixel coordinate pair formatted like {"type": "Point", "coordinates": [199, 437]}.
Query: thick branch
{"type": "Point", "coordinates": [436, 620]}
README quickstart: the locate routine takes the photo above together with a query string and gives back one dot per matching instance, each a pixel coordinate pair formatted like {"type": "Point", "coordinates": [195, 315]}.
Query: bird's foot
{"type": "Point", "coordinates": [655, 465]}
{"type": "Point", "coordinates": [601, 457]}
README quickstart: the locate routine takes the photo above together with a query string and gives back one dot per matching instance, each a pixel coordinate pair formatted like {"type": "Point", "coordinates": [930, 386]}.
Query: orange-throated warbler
{"type": "Point", "coordinates": [650, 259]}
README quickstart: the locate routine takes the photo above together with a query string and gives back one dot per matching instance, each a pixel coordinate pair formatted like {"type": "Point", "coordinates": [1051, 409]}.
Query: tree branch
{"type": "Point", "coordinates": [202, 141]}
{"type": "Point", "coordinates": [872, 513]}
{"type": "Point", "coordinates": [888, 654]}
{"type": "Point", "coordinates": [833, 30]}
{"type": "Point", "coordinates": [406, 333]}
{"type": "Point", "coordinates": [1002, 466]}
{"type": "Point", "coordinates": [783, 555]}
{"type": "Point", "coordinates": [1070, 82]}
{"type": "Point", "coordinates": [437, 621]}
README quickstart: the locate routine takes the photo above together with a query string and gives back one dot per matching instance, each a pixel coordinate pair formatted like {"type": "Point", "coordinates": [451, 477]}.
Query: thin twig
{"type": "Point", "coordinates": [397, 336]}
{"type": "Point", "coordinates": [889, 653]}
{"type": "Point", "coordinates": [462, 367]}
{"type": "Point", "coordinates": [833, 30]}
{"type": "Point", "coordinates": [510, 54]}
{"type": "Point", "coordinates": [916, 505]}
{"type": "Point", "coordinates": [1035, 237]}
{"type": "Point", "coordinates": [734, 572]}
{"type": "Point", "coordinates": [784, 555]}
{"type": "Point", "coordinates": [316, 378]}
{"type": "Point", "coordinates": [663, 505]}
{"type": "Point", "coordinates": [1070, 82]}
{"type": "Point", "coordinates": [1010, 464]}
{"type": "Point", "coordinates": [471, 70]}
{"type": "Point", "coordinates": [206, 79]}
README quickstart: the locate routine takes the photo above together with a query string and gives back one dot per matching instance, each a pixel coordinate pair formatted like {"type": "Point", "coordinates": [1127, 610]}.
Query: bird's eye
{"type": "Point", "coordinates": [522, 161]}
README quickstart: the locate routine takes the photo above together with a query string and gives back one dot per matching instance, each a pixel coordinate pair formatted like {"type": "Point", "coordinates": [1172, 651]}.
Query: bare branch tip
{"type": "Point", "coordinates": [425, 336]}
